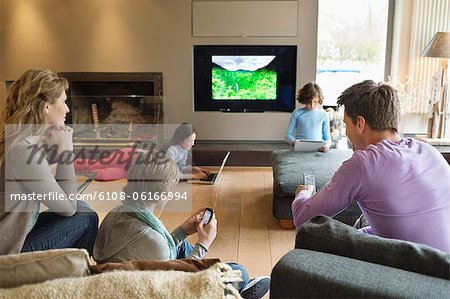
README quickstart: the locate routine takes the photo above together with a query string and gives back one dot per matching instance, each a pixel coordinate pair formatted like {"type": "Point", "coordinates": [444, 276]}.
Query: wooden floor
{"type": "Point", "coordinates": [242, 199]}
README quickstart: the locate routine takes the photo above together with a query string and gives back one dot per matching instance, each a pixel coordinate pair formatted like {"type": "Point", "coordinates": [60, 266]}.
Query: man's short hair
{"type": "Point", "coordinates": [378, 103]}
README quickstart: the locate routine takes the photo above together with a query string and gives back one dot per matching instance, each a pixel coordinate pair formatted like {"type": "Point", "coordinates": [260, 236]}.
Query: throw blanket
{"type": "Point", "coordinates": [186, 265]}
{"type": "Point", "coordinates": [214, 282]}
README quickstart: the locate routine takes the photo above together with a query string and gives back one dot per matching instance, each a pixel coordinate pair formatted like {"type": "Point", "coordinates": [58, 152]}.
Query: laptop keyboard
{"type": "Point", "coordinates": [210, 177]}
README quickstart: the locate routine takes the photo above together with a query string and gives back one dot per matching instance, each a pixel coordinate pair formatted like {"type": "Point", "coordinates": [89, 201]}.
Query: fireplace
{"type": "Point", "coordinates": [114, 107]}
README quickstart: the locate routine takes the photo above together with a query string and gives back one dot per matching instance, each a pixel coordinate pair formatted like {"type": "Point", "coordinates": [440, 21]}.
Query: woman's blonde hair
{"type": "Point", "coordinates": [25, 105]}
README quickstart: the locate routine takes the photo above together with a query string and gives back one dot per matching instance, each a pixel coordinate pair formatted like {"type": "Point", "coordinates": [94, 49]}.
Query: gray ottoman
{"type": "Point", "coordinates": [288, 169]}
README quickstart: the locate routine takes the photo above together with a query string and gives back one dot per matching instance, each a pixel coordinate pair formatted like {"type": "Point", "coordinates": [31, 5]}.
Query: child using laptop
{"type": "Point", "coordinates": [309, 122]}
{"type": "Point", "coordinates": [179, 149]}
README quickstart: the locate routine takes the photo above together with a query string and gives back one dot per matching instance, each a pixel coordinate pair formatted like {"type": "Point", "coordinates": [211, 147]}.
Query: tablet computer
{"type": "Point", "coordinates": [308, 145]}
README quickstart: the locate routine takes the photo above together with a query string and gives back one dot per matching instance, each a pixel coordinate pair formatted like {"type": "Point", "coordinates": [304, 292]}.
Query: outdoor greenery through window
{"type": "Point", "coordinates": [352, 37]}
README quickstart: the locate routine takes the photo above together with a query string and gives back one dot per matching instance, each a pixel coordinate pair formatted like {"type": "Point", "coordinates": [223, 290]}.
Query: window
{"type": "Point", "coordinates": [352, 39]}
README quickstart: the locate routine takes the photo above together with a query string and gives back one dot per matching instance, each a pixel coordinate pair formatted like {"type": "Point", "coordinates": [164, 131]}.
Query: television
{"type": "Point", "coordinates": [244, 78]}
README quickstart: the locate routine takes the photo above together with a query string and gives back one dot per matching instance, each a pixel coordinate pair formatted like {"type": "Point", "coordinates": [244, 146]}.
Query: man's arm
{"type": "Point", "coordinates": [335, 196]}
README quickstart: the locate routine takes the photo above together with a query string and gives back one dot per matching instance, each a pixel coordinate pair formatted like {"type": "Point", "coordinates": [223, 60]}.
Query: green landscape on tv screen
{"type": "Point", "coordinates": [243, 78]}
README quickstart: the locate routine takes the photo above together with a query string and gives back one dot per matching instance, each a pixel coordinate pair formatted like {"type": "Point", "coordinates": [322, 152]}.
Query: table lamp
{"type": "Point", "coordinates": [439, 47]}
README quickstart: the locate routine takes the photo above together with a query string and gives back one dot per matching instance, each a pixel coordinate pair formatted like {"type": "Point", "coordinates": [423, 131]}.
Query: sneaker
{"type": "Point", "coordinates": [256, 288]}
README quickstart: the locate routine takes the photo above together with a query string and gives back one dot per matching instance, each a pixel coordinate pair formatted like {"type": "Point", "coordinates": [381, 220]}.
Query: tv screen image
{"type": "Point", "coordinates": [243, 78]}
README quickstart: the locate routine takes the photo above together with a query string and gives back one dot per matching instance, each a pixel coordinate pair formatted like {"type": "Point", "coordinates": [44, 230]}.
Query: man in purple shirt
{"type": "Point", "coordinates": [401, 185]}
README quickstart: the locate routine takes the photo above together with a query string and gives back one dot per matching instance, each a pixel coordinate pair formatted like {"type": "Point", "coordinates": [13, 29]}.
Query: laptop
{"type": "Point", "coordinates": [213, 176]}
{"type": "Point", "coordinates": [308, 145]}
{"type": "Point", "coordinates": [91, 176]}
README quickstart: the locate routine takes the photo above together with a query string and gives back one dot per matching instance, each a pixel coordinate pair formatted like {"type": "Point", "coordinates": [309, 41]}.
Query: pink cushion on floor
{"type": "Point", "coordinates": [113, 167]}
{"type": "Point", "coordinates": [110, 174]}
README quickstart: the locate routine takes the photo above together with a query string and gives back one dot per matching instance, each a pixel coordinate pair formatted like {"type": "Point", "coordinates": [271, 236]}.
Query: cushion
{"type": "Point", "coordinates": [324, 234]}
{"type": "Point", "coordinates": [289, 167]}
{"type": "Point", "coordinates": [186, 265]}
{"type": "Point", "coordinates": [110, 174]}
{"type": "Point", "coordinates": [304, 273]}
{"type": "Point", "coordinates": [214, 282]}
{"type": "Point", "coordinates": [39, 266]}
{"type": "Point", "coordinates": [112, 167]}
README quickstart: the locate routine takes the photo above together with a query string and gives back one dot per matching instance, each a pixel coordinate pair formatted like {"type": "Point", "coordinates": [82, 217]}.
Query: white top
{"type": "Point", "coordinates": [180, 156]}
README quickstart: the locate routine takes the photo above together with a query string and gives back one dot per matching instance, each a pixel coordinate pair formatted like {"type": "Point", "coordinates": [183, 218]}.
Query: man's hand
{"type": "Point", "coordinates": [309, 188]}
{"type": "Point", "coordinates": [190, 225]}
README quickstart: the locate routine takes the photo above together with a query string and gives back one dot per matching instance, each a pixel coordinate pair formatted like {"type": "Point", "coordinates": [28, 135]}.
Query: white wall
{"type": "Point", "coordinates": [2, 84]}
{"type": "Point", "coordinates": [414, 124]}
{"type": "Point", "coordinates": [140, 36]}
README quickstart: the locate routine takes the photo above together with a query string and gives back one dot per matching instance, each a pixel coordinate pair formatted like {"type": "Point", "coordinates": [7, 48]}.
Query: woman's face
{"type": "Point", "coordinates": [56, 112]}
{"type": "Point", "coordinates": [188, 143]}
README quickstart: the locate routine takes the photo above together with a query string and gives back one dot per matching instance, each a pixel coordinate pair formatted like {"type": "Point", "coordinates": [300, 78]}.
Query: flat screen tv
{"type": "Point", "coordinates": [244, 78]}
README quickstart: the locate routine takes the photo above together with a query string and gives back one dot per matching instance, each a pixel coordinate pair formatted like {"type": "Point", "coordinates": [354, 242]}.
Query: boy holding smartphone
{"type": "Point", "coordinates": [131, 231]}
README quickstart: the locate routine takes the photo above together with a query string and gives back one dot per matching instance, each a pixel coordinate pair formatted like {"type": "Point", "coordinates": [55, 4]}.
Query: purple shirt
{"type": "Point", "coordinates": [403, 189]}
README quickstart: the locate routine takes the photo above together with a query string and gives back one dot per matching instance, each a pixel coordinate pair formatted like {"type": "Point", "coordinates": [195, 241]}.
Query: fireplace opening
{"type": "Point", "coordinates": [113, 107]}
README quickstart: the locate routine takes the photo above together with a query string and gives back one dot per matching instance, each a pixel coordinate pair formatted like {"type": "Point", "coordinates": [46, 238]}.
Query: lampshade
{"type": "Point", "coordinates": [439, 46]}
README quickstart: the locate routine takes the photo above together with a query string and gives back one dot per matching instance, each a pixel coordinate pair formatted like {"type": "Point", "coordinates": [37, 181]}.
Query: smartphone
{"type": "Point", "coordinates": [207, 215]}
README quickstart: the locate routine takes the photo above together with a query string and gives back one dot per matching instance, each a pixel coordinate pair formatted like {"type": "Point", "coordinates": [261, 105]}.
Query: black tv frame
{"type": "Point", "coordinates": [286, 66]}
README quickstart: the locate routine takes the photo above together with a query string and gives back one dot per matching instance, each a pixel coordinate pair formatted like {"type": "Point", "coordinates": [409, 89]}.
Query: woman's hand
{"type": "Point", "coordinates": [207, 233]}
{"type": "Point", "coordinates": [190, 225]}
{"type": "Point", "coordinates": [60, 137]}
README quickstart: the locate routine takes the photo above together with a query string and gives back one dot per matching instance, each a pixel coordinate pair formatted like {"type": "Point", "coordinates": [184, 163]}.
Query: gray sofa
{"type": "Point", "coordinates": [333, 260]}
{"type": "Point", "coordinates": [288, 169]}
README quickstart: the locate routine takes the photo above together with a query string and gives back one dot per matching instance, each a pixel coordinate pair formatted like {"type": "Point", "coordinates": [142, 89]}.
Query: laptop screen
{"type": "Point", "coordinates": [223, 163]}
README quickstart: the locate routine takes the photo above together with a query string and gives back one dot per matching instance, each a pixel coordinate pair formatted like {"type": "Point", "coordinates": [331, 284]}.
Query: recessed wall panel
{"type": "Point", "coordinates": [244, 18]}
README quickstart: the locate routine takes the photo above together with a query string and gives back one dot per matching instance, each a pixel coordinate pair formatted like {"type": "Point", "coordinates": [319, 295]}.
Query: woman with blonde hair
{"type": "Point", "coordinates": [34, 137]}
